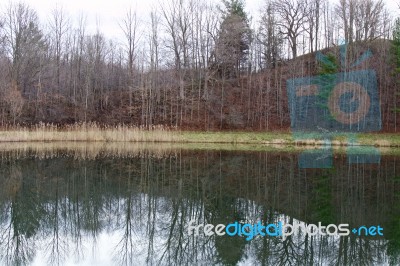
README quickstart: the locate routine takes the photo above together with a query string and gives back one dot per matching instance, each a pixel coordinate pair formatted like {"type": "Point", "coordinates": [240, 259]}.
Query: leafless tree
{"type": "Point", "coordinates": [59, 25]}
{"type": "Point", "coordinates": [129, 26]}
{"type": "Point", "coordinates": [15, 101]}
{"type": "Point", "coordinates": [186, 69]}
{"type": "Point", "coordinates": [269, 37]}
{"type": "Point", "coordinates": [346, 11]}
{"type": "Point", "coordinates": [292, 16]}
{"type": "Point", "coordinates": [370, 19]}
{"type": "Point", "coordinates": [24, 42]}
{"type": "Point", "coordinates": [362, 20]}
{"type": "Point", "coordinates": [177, 23]}
{"type": "Point", "coordinates": [313, 27]}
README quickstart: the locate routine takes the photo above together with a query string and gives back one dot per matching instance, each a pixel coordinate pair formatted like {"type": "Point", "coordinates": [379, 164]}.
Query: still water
{"type": "Point", "coordinates": [130, 204]}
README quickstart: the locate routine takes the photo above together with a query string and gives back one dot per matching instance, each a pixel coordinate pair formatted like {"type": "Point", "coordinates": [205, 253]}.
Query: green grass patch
{"type": "Point", "coordinates": [237, 137]}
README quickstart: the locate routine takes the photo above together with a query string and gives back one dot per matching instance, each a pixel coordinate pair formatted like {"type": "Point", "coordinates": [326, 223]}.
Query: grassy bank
{"type": "Point", "coordinates": [95, 133]}
{"type": "Point", "coordinates": [93, 150]}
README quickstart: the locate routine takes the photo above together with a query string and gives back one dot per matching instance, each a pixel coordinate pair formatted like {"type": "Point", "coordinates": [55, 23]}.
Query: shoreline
{"type": "Point", "coordinates": [161, 134]}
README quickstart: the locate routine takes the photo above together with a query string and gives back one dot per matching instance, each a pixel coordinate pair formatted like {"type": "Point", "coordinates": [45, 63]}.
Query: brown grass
{"type": "Point", "coordinates": [89, 132]}
{"type": "Point", "coordinates": [92, 132]}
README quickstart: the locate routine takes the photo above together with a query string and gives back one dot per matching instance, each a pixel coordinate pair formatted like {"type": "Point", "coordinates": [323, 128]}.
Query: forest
{"type": "Point", "coordinates": [188, 64]}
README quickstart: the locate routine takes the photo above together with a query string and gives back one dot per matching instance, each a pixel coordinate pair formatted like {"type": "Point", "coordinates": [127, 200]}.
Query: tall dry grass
{"type": "Point", "coordinates": [92, 132]}
{"type": "Point", "coordinates": [89, 132]}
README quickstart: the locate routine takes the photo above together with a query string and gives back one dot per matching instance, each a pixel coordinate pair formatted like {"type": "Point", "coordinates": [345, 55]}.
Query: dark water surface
{"type": "Point", "coordinates": [131, 205]}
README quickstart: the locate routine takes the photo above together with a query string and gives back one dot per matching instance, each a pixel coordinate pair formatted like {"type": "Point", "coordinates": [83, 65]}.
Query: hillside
{"type": "Point", "coordinates": [256, 101]}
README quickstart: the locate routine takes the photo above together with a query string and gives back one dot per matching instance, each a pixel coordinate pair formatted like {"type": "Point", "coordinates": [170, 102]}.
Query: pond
{"type": "Point", "coordinates": [132, 204]}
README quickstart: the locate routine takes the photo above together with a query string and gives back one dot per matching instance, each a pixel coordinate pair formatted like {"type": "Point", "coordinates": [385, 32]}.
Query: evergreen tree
{"type": "Point", "coordinates": [396, 57]}
{"type": "Point", "coordinates": [234, 7]}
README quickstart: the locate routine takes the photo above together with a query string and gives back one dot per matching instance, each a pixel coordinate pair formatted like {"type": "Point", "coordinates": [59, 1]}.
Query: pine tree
{"type": "Point", "coordinates": [396, 59]}
{"type": "Point", "coordinates": [234, 39]}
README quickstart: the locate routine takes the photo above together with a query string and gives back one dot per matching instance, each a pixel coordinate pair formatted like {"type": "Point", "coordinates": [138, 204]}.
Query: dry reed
{"type": "Point", "coordinates": [92, 132]}
{"type": "Point", "coordinates": [89, 132]}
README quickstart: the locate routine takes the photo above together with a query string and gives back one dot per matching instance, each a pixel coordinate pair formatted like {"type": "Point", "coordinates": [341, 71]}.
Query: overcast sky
{"type": "Point", "coordinates": [106, 13]}
{"type": "Point", "coordinates": [109, 12]}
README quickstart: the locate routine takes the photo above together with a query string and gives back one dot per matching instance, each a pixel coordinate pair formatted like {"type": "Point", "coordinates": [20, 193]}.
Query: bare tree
{"type": "Point", "coordinates": [15, 101]}
{"type": "Point", "coordinates": [329, 21]}
{"type": "Point", "coordinates": [129, 26]}
{"type": "Point", "coordinates": [177, 24]}
{"type": "Point", "coordinates": [152, 81]}
{"type": "Point", "coordinates": [24, 42]}
{"type": "Point", "coordinates": [292, 16]}
{"type": "Point", "coordinates": [362, 20]}
{"type": "Point", "coordinates": [346, 11]}
{"type": "Point", "coordinates": [313, 27]}
{"type": "Point", "coordinates": [370, 20]}
{"type": "Point", "coordinates": [59, 25]}
{"type": "Point", "coordinates": [269, 37]}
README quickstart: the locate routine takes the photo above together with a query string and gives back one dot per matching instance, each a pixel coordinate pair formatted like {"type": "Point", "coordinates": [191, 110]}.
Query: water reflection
{"type": "Point", "coordinates": [132, 206]}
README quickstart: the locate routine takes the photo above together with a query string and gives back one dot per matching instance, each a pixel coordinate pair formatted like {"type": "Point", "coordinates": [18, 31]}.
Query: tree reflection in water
{"type": "Point", "coordinates": [62, 206]}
